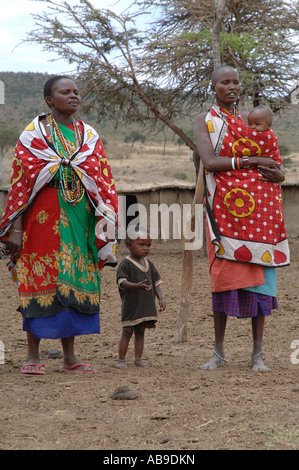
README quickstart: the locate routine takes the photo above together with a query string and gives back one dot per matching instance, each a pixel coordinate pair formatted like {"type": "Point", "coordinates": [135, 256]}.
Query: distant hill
{"type": "Point", "coordinates": [24, 100]}
{"type": "Point", "coordinates": [23, 97]}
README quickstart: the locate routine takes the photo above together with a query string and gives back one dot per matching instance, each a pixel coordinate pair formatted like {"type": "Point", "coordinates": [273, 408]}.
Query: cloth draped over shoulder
{"type": "Point", "coordinates": [58, 271]}
{"type": "Point", "coordinates": [36, 162]}
{"type": "Point", "coordinates": [245, 215]}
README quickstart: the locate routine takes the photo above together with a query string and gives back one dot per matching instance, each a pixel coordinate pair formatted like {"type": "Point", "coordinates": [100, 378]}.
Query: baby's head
{"type": "Point", "coordinates": [260, 118]}
{"type": "Point", "coordinates": [138, 241]}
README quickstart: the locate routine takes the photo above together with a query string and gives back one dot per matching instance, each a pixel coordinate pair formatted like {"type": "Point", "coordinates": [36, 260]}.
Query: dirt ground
{"type": "Point", "coordinates": [177, 406]}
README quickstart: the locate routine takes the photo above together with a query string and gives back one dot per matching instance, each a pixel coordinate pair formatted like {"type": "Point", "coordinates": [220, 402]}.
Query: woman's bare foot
{"type": "Point", "coordinates": [32, 365]}
{"type": "Point", "coordinates": [257, 363]}
{"type": "Point", "coordinates": [32, 368]}
{"type": "Point", "coordinates": [216, 361]}
{"type": "Point", "coordinates": [121, 364]}
{"type": "Point", "coordinates": [78, 368]}
{"type": "Point", "coordinates": [139, 363]}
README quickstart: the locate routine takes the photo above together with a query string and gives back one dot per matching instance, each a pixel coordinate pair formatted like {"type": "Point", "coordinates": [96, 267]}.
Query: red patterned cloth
{"type": "Point", "coordinates": [36, 162]}
{"type": "Point", "coordinates": [246, 221]}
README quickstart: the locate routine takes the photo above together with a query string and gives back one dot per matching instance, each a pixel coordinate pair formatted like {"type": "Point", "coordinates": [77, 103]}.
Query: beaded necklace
{"type": "Point", "coordinates": [72, 192]}
{"type": "Point", "coordinates": [234, 113]}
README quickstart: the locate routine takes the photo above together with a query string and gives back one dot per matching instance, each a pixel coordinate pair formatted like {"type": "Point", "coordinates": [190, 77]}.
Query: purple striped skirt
{"type": "Point", "coordinates": [242, 303]}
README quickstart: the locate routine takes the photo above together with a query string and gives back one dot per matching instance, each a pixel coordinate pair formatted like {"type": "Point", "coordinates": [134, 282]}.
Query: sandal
{"type": "Point", "coordinates": [39, 369]}
{"type": "Point", "coordinates": [74, 369]}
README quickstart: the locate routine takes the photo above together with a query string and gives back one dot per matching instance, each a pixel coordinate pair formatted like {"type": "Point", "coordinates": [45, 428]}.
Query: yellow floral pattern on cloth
{"type": "Point", "coordinates": [79, 277]}
{"type": "Point", "coordinates": [245, 147]}
{"type": "Point", "coordinates": [73, 260]}
{"type": "Point", "coordinates": [42, 217]}
{"type": "Point", "coordinates": [239, 202]}
{"type": "Point", "coordinates": [36, 273]}
{"type": "Point", "coordinates": [65, 271]}
{"type": "Point", "coordinates": [32, 266]}
{"type": "Point", "coordinates": [16, 172]}
{"type": "Point", "coordinates": [245, 213]}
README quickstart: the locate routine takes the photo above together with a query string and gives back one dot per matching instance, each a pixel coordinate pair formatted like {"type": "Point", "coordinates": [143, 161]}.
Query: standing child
{"type": "Point", "coordinates": [139, 283]}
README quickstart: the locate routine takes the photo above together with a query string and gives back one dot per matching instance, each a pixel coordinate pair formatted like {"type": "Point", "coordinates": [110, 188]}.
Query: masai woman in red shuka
{"type": "Point", "coordinates": [61, 191]}
{"type": "Point", "coordinates": [246, 237]}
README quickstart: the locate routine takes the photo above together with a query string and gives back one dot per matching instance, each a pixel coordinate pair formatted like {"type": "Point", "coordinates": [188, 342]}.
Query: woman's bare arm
{"type": "Point", "coordinates": [213, 163]}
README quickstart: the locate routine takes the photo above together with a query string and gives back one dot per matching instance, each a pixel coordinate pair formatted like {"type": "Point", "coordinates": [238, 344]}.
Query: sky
{"type": "Point", "coordinates": [16, 22]}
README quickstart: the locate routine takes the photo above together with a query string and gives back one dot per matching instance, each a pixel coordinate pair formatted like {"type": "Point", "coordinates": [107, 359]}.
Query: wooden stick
{"type": "Point", "coordinates": [187, 268]}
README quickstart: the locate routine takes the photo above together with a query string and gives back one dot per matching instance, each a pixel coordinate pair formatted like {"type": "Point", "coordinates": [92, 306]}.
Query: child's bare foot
{"type": "Point", "coordinates": [139, 363]}
{"type": "Point", "coordinates": [215, 362]}
{"type": "Point", "coordinates": [121, 364]}
{"type": "Point", "coordinates": [257, 363]}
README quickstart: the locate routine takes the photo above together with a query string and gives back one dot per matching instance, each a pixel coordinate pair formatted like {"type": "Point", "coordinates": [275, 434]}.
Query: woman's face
{"type": "Point", "coordinates": [65, 97]}
{"type": "Point", "coordinates": [227, 88]}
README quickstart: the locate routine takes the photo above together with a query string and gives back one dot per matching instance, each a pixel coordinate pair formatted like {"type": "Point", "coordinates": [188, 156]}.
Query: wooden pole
{"type": "Point", "coordinates": [1, 166]}
{"type": "Point", "coordinates": [187, 268]}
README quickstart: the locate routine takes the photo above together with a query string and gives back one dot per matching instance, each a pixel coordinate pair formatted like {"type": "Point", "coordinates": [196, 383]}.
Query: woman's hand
{"type": "Point", "coordinates": [272, 174]}
{"type": "Point", "coordinates": [14, 244]}
{"type": "Point", "coordinates": [264, 162]}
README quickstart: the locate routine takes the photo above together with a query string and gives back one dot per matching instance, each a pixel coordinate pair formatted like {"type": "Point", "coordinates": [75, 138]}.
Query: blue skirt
{"type": "Point", "coordinates": [63, 325]}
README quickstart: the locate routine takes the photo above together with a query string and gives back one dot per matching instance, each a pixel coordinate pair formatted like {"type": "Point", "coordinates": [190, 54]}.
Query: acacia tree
{"type": "Point", "coordinates": [8, 137]}
{"type": "Point", "coordinates": [155, 76]}
{"type": "Point", "coordinates": [106, 50]}
{"type": "Point", "coordinates": [258, 37]}
{"type": "Point", "coordinates": [133, 137]}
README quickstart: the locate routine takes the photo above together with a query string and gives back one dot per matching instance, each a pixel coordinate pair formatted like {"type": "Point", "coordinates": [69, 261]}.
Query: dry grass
{"type": "Point", "coordinates": [150, 161]}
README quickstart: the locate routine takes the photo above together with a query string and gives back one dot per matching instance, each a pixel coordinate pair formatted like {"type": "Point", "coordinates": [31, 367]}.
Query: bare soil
{"type": "Point", "coordinates": [176, 405]}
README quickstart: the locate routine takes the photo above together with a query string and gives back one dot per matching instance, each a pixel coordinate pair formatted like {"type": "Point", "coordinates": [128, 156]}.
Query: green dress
{"type": "Point", "coordinates": [73, 308]}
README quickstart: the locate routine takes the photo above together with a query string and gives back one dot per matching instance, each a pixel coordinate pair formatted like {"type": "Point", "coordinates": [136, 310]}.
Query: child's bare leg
{"type": "Point", "coordinates": [257, 335]}
{"type": "Point", "coordinates": [139, 344]}
{"type": "Point", "coordinates": [218, 355]}
{"type": "Point", "coordinates": [123, 346]}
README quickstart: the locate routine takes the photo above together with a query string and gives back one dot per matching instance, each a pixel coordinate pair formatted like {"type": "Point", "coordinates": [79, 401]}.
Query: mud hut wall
{"type": "Point", "coordinates": [291, 209]}
{"type": "Point", "coordinates": [172, 220]}
{"type": "Point", "coordinates": [156, 210]}
{"type": "Point", "coordinates": [185, 196]}
{"type": "Point", "coordinates": [145, 200]}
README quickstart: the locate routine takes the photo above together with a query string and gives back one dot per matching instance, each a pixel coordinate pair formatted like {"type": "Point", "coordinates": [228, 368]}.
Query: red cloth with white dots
{"type": "Point", "coordinates": [247, 211]}
{"type": "Point", "coordinates": [36, 162]}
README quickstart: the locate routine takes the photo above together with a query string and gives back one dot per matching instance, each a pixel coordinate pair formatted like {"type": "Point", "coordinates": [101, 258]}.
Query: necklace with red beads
{"type": "Point", "coordinates": [73, 191]}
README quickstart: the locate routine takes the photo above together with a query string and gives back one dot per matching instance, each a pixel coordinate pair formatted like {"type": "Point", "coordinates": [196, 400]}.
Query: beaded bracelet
{"type": "Point", "coordinates": [280, 168]}
{"type": "Point", "coordinates": [283, 175]}
{"type": "Point", "coordinates": [245, 162]}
